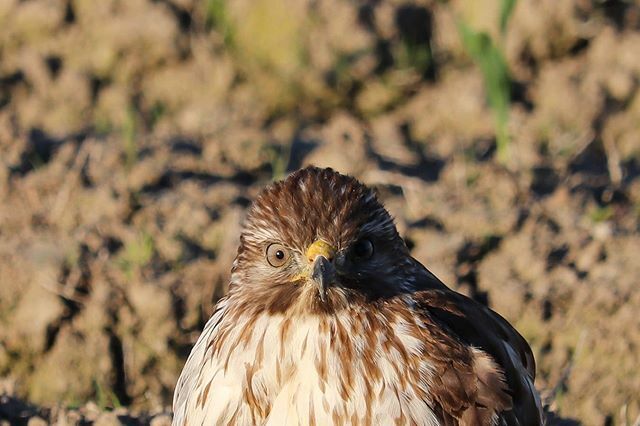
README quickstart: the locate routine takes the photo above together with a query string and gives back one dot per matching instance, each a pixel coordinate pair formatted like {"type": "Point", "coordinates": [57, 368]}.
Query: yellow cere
{"type": "Point", "coordinates": [320, 248]}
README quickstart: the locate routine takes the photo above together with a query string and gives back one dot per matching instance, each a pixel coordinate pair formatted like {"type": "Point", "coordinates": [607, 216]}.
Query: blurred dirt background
{"type": "Point", "coordinates": [504, 136]}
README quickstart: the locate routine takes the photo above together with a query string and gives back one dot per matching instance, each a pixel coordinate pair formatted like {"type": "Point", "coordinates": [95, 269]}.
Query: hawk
{"type": "Point", "coordinates": [329, 320]}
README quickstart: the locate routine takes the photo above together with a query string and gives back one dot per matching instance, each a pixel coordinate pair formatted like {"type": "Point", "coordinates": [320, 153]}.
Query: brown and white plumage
{"type": "Point", "coordinates": [329, 320]}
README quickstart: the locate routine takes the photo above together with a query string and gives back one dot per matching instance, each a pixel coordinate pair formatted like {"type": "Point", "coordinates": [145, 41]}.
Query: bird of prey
{"type": "Point", "coordinates": [330, 321]}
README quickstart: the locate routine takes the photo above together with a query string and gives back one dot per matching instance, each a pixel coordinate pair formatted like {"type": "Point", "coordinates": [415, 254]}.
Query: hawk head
{"type": "Point", "coordinates": [317, 242]}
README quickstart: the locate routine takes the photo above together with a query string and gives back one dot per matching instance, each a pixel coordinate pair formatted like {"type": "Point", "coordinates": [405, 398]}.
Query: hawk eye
{"type": "Point", "coordinates": [362, 249]}
{"type": "Point", "coordinates": [277, 255]}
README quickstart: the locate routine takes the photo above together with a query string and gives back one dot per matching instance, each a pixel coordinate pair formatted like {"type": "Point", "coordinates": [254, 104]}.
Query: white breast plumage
{"type": "Point", "coordinates": [270, 370]}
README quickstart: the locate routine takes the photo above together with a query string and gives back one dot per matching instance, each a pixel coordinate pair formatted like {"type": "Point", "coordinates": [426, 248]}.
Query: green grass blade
{"type": "Point", "coordinates": [506, 10]}
{"type": "Point", "coordinates": [489, 58]}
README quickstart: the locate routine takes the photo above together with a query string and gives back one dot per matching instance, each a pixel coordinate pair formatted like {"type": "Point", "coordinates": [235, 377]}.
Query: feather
{"type": "Point", "coordinates": [388, 344]}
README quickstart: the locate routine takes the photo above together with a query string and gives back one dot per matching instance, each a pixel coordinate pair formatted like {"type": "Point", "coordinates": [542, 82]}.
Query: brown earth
{"type": "Point", "coordinates": [133, 135]}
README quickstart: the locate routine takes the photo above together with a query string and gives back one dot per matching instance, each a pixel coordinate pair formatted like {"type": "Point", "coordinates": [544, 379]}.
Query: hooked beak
{"type": "Point", "coordinates": [323, 273]}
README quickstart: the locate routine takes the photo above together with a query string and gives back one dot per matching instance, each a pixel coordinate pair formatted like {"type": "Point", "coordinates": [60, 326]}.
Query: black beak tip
{"type": "Point", "coordinates": [323, 274]}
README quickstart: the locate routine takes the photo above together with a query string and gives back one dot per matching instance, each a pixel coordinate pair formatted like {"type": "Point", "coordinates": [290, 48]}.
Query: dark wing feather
{"type": "Point", "coordinates": [479, 327]}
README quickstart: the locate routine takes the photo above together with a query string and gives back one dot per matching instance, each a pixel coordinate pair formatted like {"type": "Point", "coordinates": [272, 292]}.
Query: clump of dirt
{"type": "Point", "coordinates": [133, 136]}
